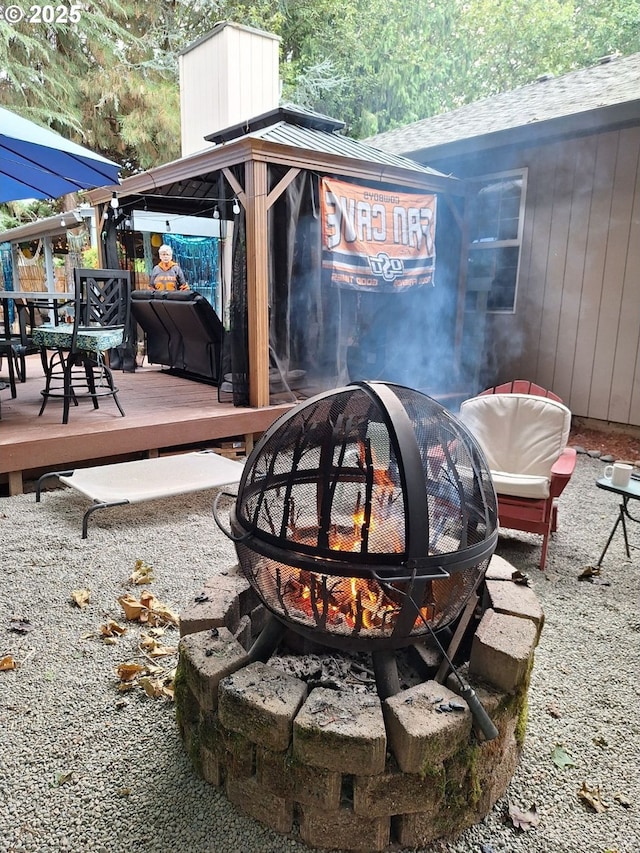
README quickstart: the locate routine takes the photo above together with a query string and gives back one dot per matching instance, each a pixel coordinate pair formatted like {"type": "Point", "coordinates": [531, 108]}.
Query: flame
{"type": "Point", "coordinates": [354, 603]}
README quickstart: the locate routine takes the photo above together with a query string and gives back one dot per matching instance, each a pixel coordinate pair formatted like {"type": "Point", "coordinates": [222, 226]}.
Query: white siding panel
{"type": "Point", "coordinates": [585, 397]}
{"type": "Point", "coordinates": [624, 404]}
{"type": "Point", "coordinates": [560, 167]}
{"type": "Point", "coordinates": [581, 154]}
{"type": "Point", "coordinates": [611, 230]}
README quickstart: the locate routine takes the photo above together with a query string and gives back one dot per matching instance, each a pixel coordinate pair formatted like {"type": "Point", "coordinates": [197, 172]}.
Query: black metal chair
{"type": "Point", "coordinates": [29, 315]}
{"type": "Point", "coordinates": [77, 366]}
{"type": "Point", "coordinates": [6, 351]}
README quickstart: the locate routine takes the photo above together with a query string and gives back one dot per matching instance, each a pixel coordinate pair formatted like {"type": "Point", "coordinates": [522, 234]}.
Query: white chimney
{"type": "Point", "coordinates": [226, 77]}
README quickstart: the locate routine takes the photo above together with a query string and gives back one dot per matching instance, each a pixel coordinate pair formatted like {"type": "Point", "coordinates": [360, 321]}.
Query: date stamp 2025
{"type": "Point", "coordinates": [37, 13]}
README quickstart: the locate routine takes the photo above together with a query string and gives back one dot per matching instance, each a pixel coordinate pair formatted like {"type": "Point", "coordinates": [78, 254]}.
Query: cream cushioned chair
{"type": "Point", "coordinates": [524, 438]}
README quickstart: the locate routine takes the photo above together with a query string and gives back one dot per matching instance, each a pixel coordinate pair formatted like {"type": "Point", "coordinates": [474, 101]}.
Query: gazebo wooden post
{"type": "Point", "coordinates": [257, 281]}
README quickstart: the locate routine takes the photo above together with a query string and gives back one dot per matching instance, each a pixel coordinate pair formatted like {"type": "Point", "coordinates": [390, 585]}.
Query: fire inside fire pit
{"type": "Point", "coordinates": [366, 517]}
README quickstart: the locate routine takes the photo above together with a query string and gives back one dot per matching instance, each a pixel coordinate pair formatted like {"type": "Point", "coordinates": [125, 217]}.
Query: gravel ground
{"type": "Point", "coordinates": [85, 767]}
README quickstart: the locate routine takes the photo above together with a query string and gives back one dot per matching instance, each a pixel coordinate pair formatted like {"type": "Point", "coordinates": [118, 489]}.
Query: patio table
{"type": "Point", "coordinates": [627, 493]}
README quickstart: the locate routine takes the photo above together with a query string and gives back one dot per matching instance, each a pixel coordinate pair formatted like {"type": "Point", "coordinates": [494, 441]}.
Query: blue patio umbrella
{"type": "Point", "coordinates": [36, 162]}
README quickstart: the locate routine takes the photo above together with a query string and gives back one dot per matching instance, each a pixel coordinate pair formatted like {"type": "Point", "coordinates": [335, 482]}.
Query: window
{"type": "Point", "coordinates": [496, 216]}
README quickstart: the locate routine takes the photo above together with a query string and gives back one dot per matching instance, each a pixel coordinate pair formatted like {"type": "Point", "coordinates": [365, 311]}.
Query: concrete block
{"type": "Point", "coordinates": [233, 580]}
{"type": "Point", "coordinates": [514, 600]}
{"type": "Point", "coordinates": [263, 805]}
{"type": "Point", "coordinates": [343, 830]}
{"type": "Point", "coordinates": [260, 702]}
{"type": "Point", "coordinates": [421, 733]}
{"type": "Point", "coordinates": [211, 767]}
{"type": "Point", "coordinates": [313, 786]}
{"type": "Point", "coordinates": [205, 660]}
{"type": "Point", "coordinates": [495, 765]}
{"type": "Point", "coordinates": [243, 632]}
{"type": "Point", "coordinates": [499, 569]}
{"type": "Point", "coordinates": [418, 830]}
{"type": "Point", "coordinates": [394, 792]}
{"type": "Point", "coordinates": [341, 731]}
{"type": "Point", "coordinates": [222, 601]}
{"type": "Point", "coordinates": [502, 650]}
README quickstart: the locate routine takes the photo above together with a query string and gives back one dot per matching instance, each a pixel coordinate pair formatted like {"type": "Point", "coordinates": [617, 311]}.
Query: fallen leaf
{"type": "Point", "coordinates": [158, 613]}
{"type": "Point", "coordinates": [128, 671]}
{"type": "Point", "coordinates": [154, 648]}
{"type": "Point", "coordinates": [520, 578]}
{"type": "Point", "coordinates": [624, 801]}
{"type": "Point", "coordinates": [599, 740]}
{"type": "Point", "coordinates": [148, 610]}
{"type": "Point", "coordinates": [553, 710]}
{"type": "Point", "coordinates": [142, 573]}
{"type": "Point", "coordinates": [6, 663]}
{"type": "Point", "coordinates": [592, 797]}
{"type": "Point", "coordinates": [152, 686]}
{"type": "Point", "coordinates": [112, 629]}
{"type": "Point", "coordinates": [80, 597]}
{"type": "Point", "coordinates": [589, 572]}
{"type": "Point", "coordinates": [561, 757]}
{"type": "Point", "coordinates": [132, 608]}
{"type": "Point", "coordinates": [163, 651]}
{"type": "Point", "coordinates": [524, 820]}
{"type": "Point", "coordinates": [62, 778]}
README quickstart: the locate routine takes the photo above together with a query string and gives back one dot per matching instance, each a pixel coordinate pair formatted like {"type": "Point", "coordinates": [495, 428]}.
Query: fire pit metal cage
{"type": "Point", "coordinates": [365, 517]}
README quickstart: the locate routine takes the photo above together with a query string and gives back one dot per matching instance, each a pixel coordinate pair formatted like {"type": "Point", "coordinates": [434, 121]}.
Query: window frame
{"type": "Point", "coordinates": [476, 183]}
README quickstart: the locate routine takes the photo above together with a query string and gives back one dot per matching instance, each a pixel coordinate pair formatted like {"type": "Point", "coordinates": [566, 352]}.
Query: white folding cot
{"type": "Point", "coordinates": [147, 479]}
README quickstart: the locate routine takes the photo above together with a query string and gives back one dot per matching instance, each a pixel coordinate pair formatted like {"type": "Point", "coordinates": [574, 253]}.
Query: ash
{"type": "Point", "coordinates": [342, 670]}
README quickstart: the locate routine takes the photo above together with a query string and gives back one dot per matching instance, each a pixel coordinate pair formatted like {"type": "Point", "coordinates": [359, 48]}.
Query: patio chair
{"type": "Point", "coordinates": [77, 366]}
{"type": "Point", "coordinates": [6, 351]}
{"type": "Point", "coordinates": [29, 316]}
{"type": "Point", "coordinates": [524, 437]}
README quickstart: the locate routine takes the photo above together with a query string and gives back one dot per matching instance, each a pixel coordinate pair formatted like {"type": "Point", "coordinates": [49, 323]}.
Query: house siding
{"type": "Point", "coordinates": [576, 328]}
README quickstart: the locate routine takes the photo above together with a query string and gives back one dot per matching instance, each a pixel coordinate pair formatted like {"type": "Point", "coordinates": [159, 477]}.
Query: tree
{"type": "Point", "coordinates": [92, 80]}
{"type": "Point", "coordinates": [110, 80]}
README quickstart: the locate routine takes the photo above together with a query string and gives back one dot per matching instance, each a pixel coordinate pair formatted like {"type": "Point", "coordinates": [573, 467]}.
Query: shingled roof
{"type": "Point", "coordinates": [606, 94]}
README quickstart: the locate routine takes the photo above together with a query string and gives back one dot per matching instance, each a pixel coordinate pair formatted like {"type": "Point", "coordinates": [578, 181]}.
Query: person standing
{"type": "Point", "coordinates": [167, 274]}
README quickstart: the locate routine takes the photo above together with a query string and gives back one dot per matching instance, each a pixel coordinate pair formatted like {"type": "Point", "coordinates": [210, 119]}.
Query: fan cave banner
{"type": "Point", "coordinates": [377, 240]}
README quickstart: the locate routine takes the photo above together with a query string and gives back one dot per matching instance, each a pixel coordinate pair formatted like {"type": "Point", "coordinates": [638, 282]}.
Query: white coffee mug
{"type": "Point", "coordinates": [619, 473]}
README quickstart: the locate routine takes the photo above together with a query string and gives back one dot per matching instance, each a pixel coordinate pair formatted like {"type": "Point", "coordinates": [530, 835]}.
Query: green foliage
{"type": "Point", "coordinates": [16, 213]}
{"type": "Point", "coordinates": [83, 78]}
{"type": "Point", "coordinates": [90, 258]}
{"type": "Point", "coordinates": [110, 81]}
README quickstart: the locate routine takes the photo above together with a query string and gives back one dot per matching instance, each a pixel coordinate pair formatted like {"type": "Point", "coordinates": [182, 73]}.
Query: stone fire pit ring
{"type": "Point", "coordinates": [346, 770]}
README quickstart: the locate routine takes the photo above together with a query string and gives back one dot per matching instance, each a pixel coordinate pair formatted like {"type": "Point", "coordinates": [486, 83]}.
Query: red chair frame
{"type": "Point", "coordinates": [529, 514]}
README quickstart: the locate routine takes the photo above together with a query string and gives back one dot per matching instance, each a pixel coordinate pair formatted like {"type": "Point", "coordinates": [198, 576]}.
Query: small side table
{"type": "Point", "coordinates": [628, 493]}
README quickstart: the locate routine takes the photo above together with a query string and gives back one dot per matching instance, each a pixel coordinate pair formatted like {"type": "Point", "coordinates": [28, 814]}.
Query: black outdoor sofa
{"type": "Point", "coordinates": [182, 332]}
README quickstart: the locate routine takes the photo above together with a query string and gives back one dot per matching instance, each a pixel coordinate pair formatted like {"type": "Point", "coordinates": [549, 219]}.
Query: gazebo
{"type": "Point", "coordinates": [265, 179]}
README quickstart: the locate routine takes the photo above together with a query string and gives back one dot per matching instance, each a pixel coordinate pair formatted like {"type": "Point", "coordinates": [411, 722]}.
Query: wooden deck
{"type": "Point", "coordinates": [164, 413]}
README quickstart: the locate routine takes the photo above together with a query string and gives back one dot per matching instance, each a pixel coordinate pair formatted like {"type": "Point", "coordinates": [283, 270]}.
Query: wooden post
{"type": "Point", "coordinates": [257, 282]}
{"type": "Point", "coordinates": [15, 483]}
